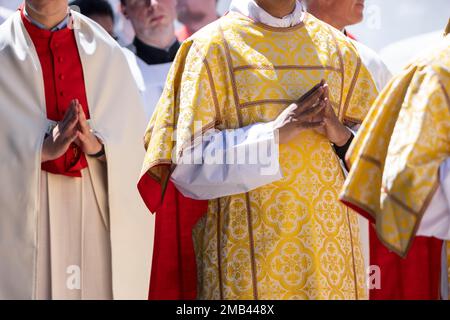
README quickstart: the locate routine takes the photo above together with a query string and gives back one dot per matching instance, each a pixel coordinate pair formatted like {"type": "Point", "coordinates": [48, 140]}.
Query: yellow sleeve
{"type": "Point", "coordinates": [189, 105]}
{"type": "Point", "coordinates": [420, 143]}
{"type": "Point", "coordinates": [158, 139]}
{"type": "Point", "coordinates": [381, 119]}
{"type": "Point", "coordinates": [199, 108]}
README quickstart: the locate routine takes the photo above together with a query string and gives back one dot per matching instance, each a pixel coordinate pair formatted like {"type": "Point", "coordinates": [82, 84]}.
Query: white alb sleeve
{"type": "Point", "coordinates": [229, 162]}
{"type": "Point", "coordinates": [436, 219]}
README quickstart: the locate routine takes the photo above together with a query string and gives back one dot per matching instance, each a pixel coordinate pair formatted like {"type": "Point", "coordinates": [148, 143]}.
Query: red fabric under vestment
{"type": "Point", "coordinates": [63, 81]}
{"type": "Point", "coordinates": [415, 278]}
{"type": "Point", "coordinates": [174, 270]}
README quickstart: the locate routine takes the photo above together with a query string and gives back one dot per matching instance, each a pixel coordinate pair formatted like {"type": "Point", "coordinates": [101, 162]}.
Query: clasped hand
{"type": "Point", "coordinates": [312, 111]}
{"type": "Point", "coordinates": [74, 128]}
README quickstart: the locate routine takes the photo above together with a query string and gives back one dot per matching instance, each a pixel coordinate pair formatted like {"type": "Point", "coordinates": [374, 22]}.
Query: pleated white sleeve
{"type": "Point", "coordinates": [229, 162]}
{"type": "Point", "coordinates": [436, 219]}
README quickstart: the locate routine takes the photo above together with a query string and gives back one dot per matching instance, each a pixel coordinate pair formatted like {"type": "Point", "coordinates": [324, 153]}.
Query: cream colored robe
{"type": "Point", "coordinates": [118, 118]}
{"type": "Point", "coordinates": [73, 243]}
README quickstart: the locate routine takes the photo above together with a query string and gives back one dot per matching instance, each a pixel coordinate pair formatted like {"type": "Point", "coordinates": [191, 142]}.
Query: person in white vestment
{"type": "Point", "coordinates": [69, 230]}
{"type": "Point", "coordinates": [154, 45]}
{"type": "Point", "coordinates": [4, 14]}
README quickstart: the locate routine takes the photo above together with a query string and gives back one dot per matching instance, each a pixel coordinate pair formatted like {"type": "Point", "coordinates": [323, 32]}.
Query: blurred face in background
{"type": "Point", "coordinates": [106, 22]}
{"type": "Point", "coordinates": [150, 14]}
{"type": "Point", "coordinates": [195, 10]}
{"type": "Point", "coordinates": [349, 11]}
{"type": "Point", "coordinates": [339, 13]}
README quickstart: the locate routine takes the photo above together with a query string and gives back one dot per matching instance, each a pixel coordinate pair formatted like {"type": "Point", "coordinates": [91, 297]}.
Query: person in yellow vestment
{"type": "Point", "coordinates": [399, 176]}
{"type": "Point", "coordinates": [342, 14]}
{"type": "Point", "coordinates": [273, 229]}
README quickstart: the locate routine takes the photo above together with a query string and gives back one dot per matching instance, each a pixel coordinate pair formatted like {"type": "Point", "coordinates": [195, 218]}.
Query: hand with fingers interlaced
{"type": "Point", "coordinates": [301, 115]}
{"type": "Point", "coordinates": [312, 111]}
{"type": "Point", "coordinates": [332, 128]}
{"type": "Point", "coordinates": [74, 128]}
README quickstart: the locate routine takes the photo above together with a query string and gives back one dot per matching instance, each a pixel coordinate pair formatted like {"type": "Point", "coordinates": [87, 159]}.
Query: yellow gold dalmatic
{"type": "Point", "coordinates": [287, 240]}
{"type": "Point", "coordinates": [397, 153]}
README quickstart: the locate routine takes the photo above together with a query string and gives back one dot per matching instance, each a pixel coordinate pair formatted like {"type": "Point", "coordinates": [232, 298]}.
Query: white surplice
{"type": "Point", "coordinates": [377, 68]}
{"type": "Point", "coordinates": [4, 14]}
{"type": "Point", "coordinates": [150, 79]}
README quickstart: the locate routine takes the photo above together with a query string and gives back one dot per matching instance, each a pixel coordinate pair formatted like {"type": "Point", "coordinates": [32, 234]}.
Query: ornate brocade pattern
{"type": "Point", "coordinates": [397, 153]}
{"type": "Point", "coordinates": [291, 239]}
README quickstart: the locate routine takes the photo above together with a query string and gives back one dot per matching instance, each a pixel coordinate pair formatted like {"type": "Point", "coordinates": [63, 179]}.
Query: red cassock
{"type": "Point", "coordinates": [63, 81]}
{"type": "Point", "coordinates": [174, 270]}
{"type": "Point", "coordinates": [415, 278]}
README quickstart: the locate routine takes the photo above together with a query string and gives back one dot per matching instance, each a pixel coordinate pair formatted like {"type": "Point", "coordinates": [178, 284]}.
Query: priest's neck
{"type": "Point", "coordinates": [277, 8]}
{"type": "Point", "coordinates": [48, 13]}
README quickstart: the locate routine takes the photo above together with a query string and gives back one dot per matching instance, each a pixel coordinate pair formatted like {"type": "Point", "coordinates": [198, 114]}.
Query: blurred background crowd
{"type": "Point", "coordinates": [395, 29]}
